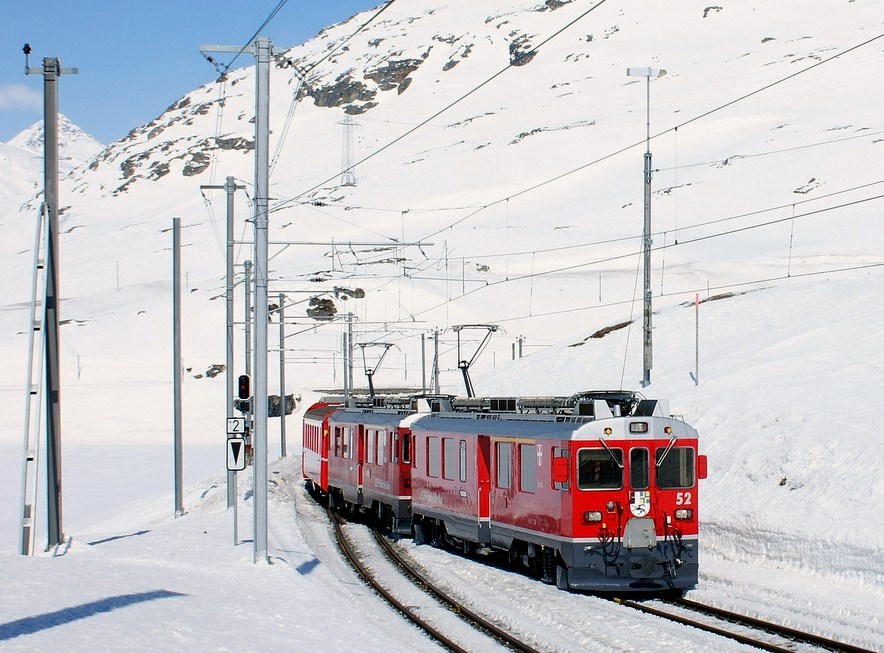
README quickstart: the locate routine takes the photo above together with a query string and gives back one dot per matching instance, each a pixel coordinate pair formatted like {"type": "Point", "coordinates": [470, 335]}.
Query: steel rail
{"type": "Point", "coordinates": [782, 631]}
{"type": "Point", "coordinates": [792, 636]}
{"type": "Point", "coordinates": [473, 618]}
{"type": "Point", "coordinates": [363, 571]}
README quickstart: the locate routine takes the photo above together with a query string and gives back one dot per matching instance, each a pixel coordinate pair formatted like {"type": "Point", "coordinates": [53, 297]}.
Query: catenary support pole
{"type": "Point", "coordinates": [423, 363]}
{"type": "Point", "coordinates": [51, 71]}
{"type": "Point", "coordinates": [436, 361]}
{"type": "Point", "coordinates": [230, 187]}
{"type": "Point", "coordinates": [282, 448]}
{"type": "Point", "coordinates": [176, 362]}
{"type": "Point", "coordinates": [350, 350]}
{"type": "Point", "coordinates": [263, 51]}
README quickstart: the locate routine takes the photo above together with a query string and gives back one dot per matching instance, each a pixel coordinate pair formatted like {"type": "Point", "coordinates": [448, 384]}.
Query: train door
{"type": "Point", "coordinates": [360, 455]}
{"type": "Point", "coordinates": [323, 456]}
{"type": "Point", "coordinates": [402, 451]}
{"type": "Point", "coordinates": [483, 477]}
{"type": "Point", "coordinates": [502, 486]}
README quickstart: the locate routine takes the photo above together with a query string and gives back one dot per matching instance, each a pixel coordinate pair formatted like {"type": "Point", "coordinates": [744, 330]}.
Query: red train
{"type": "Point", "coordinates": [596, 491]}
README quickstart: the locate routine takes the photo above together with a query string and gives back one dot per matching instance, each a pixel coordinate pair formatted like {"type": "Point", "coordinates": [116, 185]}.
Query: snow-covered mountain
{"type": "Point", "coordinates": [21, 159]}
{"type": "Point", "coordinates": [75, 147]}
{"type": "Point", "coordinates": [506, 137]}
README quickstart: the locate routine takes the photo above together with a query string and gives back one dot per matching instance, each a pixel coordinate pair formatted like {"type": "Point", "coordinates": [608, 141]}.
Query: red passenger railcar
{"type": "Point", "coordinates": [365, 456]}
{"type": "Point", "coordinates": [314, 442]}
{"type": "Point", "coordinates": [597, 491]}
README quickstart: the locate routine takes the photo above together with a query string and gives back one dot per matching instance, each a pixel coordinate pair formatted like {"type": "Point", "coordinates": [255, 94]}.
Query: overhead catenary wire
{"type": "Point", "coordinates": [416, 273]}
{"type": "Point", "coordinates": [697, 118]}
{"type": "Point", "coordinates": [444, 109]}
{"type": "Point", "coordinates": [642, 142]}
{"type": "Point", "coordinates": [302, 74]}
{"type": "Point", "coordinates": [616, 257]}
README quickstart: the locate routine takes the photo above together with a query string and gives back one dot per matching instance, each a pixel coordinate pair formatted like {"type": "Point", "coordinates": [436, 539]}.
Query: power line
{"type": "Point", "coordinates": [266, 22]}
{"type": "Point", "coordinates": [739, 284]}
{"type": "Point", "coordinates": [665, 131]}
{"type": "Point", "coordinates": [302, 76]}
{"type": "Point", "coordinates": [655, 249]}
{"type": "Point", "coordinates": [460, 99]}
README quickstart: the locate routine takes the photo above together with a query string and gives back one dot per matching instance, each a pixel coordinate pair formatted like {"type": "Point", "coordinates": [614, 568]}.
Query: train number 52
{"type": "Point", "coordinates": [683, 498]}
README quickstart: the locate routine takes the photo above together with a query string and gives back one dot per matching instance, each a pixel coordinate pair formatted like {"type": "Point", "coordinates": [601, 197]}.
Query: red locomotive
{"type": "Point", "coordinates": [596, 491]}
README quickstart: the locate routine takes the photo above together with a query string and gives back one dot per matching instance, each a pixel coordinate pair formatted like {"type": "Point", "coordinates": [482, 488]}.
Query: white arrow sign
{"type": "Point", "coordinates": [236, 454]}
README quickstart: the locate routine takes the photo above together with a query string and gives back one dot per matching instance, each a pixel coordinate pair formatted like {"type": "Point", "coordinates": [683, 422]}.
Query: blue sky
{"type": "Point", "coordinates": [135, 58]}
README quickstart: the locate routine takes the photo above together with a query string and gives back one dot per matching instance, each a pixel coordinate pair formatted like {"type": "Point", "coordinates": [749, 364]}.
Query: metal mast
{"type": "Point", "coordinates": [348, 177]}
{"type": "Point", "coordinates": [51, 71]}
{"type": "Point", "coordinates": [176, 366]}
{"type": "Point", "coordinates": [262, 50]}
{"type": "Point", "coordinates": [230, 187]}
{"type": "Point", "coordinates": [647, 355]}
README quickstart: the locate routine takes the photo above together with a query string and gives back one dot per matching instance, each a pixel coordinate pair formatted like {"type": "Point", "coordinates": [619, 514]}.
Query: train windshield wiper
{"type": "Point", "coordinates": [666, 451]}
{"type": "Point", "coordinates": [619, 463]}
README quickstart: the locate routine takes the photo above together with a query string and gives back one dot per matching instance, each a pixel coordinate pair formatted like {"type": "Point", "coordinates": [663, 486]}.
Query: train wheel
{"type": "Point", "coordinates": [548, 566]}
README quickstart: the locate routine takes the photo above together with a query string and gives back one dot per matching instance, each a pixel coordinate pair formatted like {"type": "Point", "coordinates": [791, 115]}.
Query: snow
{"type": "Point", "coordinates": [790, 358]}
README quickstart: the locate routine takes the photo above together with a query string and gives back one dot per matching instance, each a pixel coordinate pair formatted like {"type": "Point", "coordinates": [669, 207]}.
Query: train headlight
{"type": "Point", "coordinates": [684, 513]}
{"type": "Point", "coordinates": [592, 517]}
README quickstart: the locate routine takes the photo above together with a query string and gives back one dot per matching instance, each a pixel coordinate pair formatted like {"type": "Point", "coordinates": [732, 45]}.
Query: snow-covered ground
{"type": "Point", "coordinates": [773, 201]}
{"type": "Point", "coordinates": [141, 578]}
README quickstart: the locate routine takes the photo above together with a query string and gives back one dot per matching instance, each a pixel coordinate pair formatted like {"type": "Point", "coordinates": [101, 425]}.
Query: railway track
{"type": "Point", "coordinates": [415, 612]}
{"type": "Point", "coordinates": [747, 629]}
{"type": "Point", "coordinates": [740, 628]}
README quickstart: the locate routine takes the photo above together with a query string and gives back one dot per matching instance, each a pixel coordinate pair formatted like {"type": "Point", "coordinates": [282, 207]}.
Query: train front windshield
{"type": "Point", "coordinates": [675, 469]}
{"type": "Point", "coordinates": [599, 469]}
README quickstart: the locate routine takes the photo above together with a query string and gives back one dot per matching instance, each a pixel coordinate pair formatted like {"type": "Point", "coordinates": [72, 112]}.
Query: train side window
{"type": "Point", "coordinates": [382, 447]}
{"type": "Point", "coordinates": [463, 461]}
{"type": "Point", "coordinates": [638, 469]}
{"type": "Point", "coordinates": [433, 462]}
{"type": "Point", "coordinates": [339, 438]}
{"type": "Point", "coordinates": [348, 444]}
{"type": "Point", "coordinates": [597, 469]}
{"type": "Point", "coordinates": [406, 448]}
{"type": "Point", "coordinates": [370, 438]}
{"type": "Point", "coordinates": [528, 468]}
{"type": "Point", "coordinates": [504, 464]}
{"type": "Point", "coordinates": [449, 455]}
{"type": "Point", "coordinates": [394, 447]}
{"type": "Point", "coordinates": [675, 469]}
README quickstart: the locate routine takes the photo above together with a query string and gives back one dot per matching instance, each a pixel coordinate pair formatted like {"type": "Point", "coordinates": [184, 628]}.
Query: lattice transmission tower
{"type": "Point", "coordinates": [348, 177]}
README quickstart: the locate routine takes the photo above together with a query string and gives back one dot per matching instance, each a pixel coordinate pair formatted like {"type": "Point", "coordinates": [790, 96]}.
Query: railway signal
{"type": "Point", "coordinates": [244, 386]}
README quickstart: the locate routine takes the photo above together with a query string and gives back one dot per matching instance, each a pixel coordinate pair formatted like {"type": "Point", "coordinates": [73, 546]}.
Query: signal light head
{"type": "Point", "coordinates": [244, 386]}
